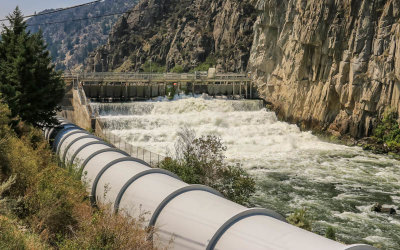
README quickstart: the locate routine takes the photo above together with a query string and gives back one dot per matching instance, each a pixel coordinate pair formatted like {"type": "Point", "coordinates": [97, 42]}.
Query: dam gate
{"type": "Point", "coordinates": [110, 87]}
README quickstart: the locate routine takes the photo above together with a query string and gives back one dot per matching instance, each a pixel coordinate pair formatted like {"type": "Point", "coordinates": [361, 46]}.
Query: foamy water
{"type": "Point", "coordinates": [335, 183]}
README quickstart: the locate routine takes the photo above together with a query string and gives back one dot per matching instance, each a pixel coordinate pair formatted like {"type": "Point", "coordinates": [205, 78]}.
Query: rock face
{"type": "Point", "coordinates": [179, 32]}
{"type": "Point", "coordinates": [328, 64]}
{"type": "Point", "coordinates": [70, 42]}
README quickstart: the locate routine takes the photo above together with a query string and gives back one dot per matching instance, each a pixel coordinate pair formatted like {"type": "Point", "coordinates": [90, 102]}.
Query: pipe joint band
{"type": "Point", "coordinates": [75, 140]}
{"type": "Point", "coordinates": [87, 145]}
{"type": "Point", "coordinates": [137, 176]}
{"type": "Point", "coordinates": [240, 216]}
{"type": "Point", "coordinates": [175, 194]}
{"type": "Point", "coordinates": [67, 136]}
{"type": "Point", "coordinates": [104, 169]}
{"type": "Point", "coordinates": [99, 152]}
{"type": "Point", "coordinates": [60, 133]}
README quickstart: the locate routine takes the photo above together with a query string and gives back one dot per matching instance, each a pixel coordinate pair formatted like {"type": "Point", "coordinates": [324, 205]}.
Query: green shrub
{"type": "Point", "coordinates": [330, 233]}
{"type": "Point", "coordinates": [186, 173]}
{"type": "Point", "coordinates": [153, 67]}
{"type": "Point", "coordinates": [235, 183]}
{"type": "Point", "coordinates": [387, 131]}
{"type": "Point", "coordinates": [210, 62]}
{"type": "Point", "coordinates": [11, 237]}
{"type": "Point", "coordinates": [201, 161]}
{"type": "Point", "coordinates": [4, 187]}
{"type": "Point", "coordinates": [300, 219]}
{"type": "Point", "coordinates": [8, 238]}
{"type": "Point", "coordinates": [177, 69]}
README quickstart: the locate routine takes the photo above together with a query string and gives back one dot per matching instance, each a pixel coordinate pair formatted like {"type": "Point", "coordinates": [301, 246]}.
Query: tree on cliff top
{"type": "Point", "coordinates": [28, 82]}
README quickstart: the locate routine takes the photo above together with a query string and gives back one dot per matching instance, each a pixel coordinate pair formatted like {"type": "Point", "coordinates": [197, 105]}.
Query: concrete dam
{"type": "Point", "coordinates": [106, 87]}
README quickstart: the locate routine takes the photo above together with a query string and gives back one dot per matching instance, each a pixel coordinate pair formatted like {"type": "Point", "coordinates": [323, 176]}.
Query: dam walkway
{"type": "Point", "coordinates": [110, 86]}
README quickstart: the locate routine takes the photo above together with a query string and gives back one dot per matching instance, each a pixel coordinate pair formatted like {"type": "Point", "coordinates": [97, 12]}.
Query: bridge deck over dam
{"type": "Point", "coordinates": [108, 86]}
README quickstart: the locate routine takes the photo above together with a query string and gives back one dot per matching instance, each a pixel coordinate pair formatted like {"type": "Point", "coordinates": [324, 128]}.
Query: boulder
{"type": "Point", "coordinates": [380, 209]}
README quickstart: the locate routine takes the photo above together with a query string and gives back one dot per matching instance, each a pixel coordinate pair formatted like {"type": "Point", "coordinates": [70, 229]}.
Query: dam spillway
{"type": "Point", "coordinates": [335, 183]}
{"type": "Point", "coordinates": [111, 86]}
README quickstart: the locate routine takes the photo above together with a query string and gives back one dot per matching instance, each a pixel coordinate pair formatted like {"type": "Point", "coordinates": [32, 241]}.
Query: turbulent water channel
{"type": "Point", "coordinates": [335, 183]}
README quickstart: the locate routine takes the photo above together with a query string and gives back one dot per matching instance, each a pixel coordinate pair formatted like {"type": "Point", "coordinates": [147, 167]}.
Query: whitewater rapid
{"type": "Point", "coordinates": [294, 169]}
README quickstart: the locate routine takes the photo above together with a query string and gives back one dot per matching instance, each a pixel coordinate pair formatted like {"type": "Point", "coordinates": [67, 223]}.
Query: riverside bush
{"type": "Point", "coordinates": [387, 131]}
{"type": "Point", "coordinates": [330, 233]}
{"type": "Point", "coordinates": [299, 219]}
{"type": "Point", "coordinates": [50, 202]}
{"type": "Point", "coordinates": [201, 161]}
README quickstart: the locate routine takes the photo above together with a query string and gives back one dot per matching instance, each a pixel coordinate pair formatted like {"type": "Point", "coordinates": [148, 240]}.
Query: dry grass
{"type": "Point", "coordinates": [15, 236]}
{"type": "Point", "coordinates": [51, 203]}
{"type": "Point", "coordinates": [106, 230]}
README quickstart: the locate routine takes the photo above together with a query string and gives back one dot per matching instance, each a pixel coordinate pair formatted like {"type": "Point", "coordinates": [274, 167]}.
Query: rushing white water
{"type": "Point", "coordinates": [335, 183]}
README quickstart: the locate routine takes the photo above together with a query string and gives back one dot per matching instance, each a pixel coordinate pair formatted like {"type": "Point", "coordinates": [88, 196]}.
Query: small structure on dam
{"type": "Point", "coordinates": [109, 86]}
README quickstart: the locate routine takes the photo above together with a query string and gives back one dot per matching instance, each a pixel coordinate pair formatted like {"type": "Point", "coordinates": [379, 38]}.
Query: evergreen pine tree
{"type": "Point", "coordinates": [29, 83]}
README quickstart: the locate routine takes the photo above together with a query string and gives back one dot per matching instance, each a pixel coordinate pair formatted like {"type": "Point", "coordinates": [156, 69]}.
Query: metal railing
{"type": "Point", "coordinates": [197, 76]}
{"type": "Point", "coordinates": [138, 152]}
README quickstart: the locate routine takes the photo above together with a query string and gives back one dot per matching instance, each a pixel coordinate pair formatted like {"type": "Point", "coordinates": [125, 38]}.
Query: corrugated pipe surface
{"type": "Point", "coordinates": [185, 216]}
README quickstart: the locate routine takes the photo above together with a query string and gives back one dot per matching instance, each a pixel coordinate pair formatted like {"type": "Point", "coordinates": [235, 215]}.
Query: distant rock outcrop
{"type": "Point", "coordinates": [70, 42]}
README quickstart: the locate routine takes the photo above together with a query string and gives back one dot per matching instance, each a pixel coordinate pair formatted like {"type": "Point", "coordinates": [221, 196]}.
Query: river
{"type": "Point", "coordinates": [336, 184]}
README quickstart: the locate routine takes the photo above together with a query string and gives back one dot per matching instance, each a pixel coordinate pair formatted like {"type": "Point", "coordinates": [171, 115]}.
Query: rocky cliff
{"type": "Point", "coordinates": [70, 41]}
{"type": "Point", "coordinates": [328, 64]}
{"type": "Point", "coordinates": [180, 34]}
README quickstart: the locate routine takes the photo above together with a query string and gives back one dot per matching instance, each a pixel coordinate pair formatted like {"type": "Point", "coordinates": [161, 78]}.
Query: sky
{"type": "Point", "coordinates": [28, 7]}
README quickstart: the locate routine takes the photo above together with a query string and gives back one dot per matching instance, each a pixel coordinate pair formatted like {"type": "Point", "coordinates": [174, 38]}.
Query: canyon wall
{"type": "Point", "coordinates": [180, 33]}
{"type": "Point", "coordinates": [330, 65]}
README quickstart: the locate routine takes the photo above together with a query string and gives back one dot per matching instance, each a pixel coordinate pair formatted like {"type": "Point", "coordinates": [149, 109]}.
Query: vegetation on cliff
{"type": "Point", "coordinates": [387, 132]}
{"type": "Point", "coordinates": [386, 135]}
{"type": "Point", "coordinates": [201, 161]}
{"type": "Point", "coordinates": [28, 82]}
{"type": "Point", "coordinates": [43, 206]}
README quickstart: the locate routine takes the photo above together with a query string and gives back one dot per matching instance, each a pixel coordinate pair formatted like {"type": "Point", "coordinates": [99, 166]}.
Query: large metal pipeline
{"type": "Point", "coordinates": [184, 216]}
